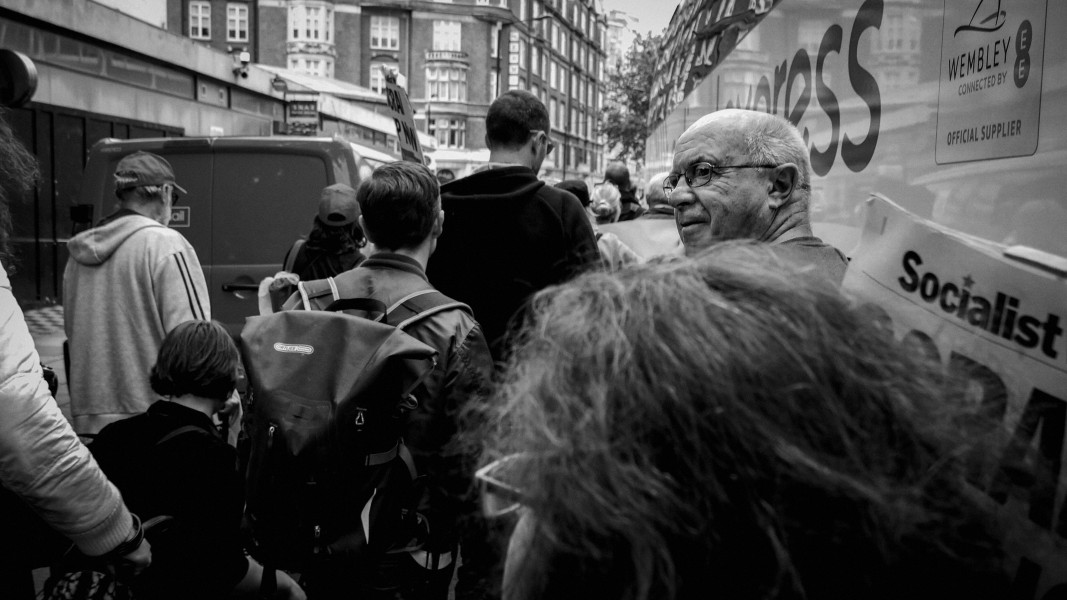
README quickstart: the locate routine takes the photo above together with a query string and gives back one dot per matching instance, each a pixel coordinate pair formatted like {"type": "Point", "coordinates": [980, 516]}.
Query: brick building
{"type": "Point", "coordinates": [456, 57]}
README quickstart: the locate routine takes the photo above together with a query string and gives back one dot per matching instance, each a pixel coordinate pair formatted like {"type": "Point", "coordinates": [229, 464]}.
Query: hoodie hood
{"type": "Point", "coordinates": [95, 246]}
{"type": "Point", "coordinates": [495, 185]}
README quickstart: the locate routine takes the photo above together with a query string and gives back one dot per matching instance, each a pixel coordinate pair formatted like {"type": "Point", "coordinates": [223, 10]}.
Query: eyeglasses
{"type": "Point", "coordinates": [698, 174]}
{"type": "Point", "coordinates": [551, 144]}
{"type": "Point", "coordinates": [498, 497]}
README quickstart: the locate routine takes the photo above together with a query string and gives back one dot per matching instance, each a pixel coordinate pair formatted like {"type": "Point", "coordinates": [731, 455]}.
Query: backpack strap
{"type": "Point", "coordinates": [399, 450]}
{"type": "Point", "coordinates": [312, 290]}
{"type": "Point", "coordinates": [367, 305]}
{"type": "Point", "coordinates": [421, 304]}
{"type": "Point", "coordinates": [179, 431]}
{"type": "Point", "coordinates": [290, 259]}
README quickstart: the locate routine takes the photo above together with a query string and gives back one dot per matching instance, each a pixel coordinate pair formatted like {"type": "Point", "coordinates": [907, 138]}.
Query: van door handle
{"type": "Point", "coordinates": [236, 286]}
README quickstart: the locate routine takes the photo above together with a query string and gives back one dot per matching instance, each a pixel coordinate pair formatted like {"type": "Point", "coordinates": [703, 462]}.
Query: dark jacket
{"type": "Point", "coordinates": [629, 205]}
{"type": "Point", "coordinates": [823, 258]}
{"type": "Point", "coordinates": [461, 375]}
{"type": "Point", "coordinates": [507, 235]}
{"type": "Point", "coordinates": [192, 477]}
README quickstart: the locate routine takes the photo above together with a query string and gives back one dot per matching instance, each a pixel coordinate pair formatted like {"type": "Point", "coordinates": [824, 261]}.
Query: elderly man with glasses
{"type": "Point", "coordinates": [740, 174]}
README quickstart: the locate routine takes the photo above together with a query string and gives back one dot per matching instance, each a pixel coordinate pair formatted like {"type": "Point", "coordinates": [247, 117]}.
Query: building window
{"type": "Point", "coordinates": [494, 43]}
{"type": "Point", "coordinates": [446, 35]}
{"type": "Point", "coordinates": [319, 66]}
{"type": "Point", "coordinates": [494, 83]}
{"type": "Point", "coordinates": [450, 133]}
{"type": "Point", "coordinates": [236, 22]}
{"type": "Point", "coordinates": [448, 84]}
{"type": "Point", "coordinates": [200, 20]}
{"type": "Point", "coordinates": [385, 33]}
{"type": "Point", "coordinates": [900, 33]}
{"type": "Point", "coordinates": [377, 78]}
{"type": "Point", "coordinates": [310, 23]}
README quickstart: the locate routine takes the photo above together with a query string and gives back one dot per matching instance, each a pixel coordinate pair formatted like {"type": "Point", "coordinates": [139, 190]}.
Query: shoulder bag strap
{"type": "Point", "coordinates": [316, 289]}
{"type": "Point", "coordinates": [179, 431]}
{"type": "Point", "coordinates": [290, 260]}
{"type": "Point", "coordinates": [421, 304]}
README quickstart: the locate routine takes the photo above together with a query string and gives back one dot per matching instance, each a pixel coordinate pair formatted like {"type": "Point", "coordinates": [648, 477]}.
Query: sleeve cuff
{"type": "Point", "coordinates": [107, 535]}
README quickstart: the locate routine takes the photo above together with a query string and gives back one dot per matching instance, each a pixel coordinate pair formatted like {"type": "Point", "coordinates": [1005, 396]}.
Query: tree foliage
{"type": "Point", "coordinates": [628, 87]}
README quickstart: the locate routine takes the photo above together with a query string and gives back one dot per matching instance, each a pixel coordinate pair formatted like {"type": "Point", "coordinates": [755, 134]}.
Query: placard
{"type": "Point", "coordinates": [989, 94]}
{"type": "Point", "coordinates": [998, 323]}
{"type": "Point", "coordinates": [403, 118]}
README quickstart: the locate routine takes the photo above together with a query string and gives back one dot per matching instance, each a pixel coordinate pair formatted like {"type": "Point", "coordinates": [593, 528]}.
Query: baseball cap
{"type": "Point", "coordinates": [142, 169]}
{"type": "Point", "coordinates": [338, 205]}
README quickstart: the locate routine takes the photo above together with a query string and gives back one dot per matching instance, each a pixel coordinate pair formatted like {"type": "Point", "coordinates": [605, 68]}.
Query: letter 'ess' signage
{"type": "Point", "coordinates": [403, 119]}
{"type": "Point", "coordinates": [989, 95]}
{"type": "Point", "coordinates": [998, 324]}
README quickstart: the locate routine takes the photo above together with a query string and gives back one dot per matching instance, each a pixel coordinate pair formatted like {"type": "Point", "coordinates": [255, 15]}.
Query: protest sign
{"type": "Point", "coordinates": [403, 118]}
{"type": "Point", "coordinates": [998, 322]}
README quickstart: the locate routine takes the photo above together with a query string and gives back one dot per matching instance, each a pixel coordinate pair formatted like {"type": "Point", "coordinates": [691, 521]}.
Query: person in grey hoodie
{"type": "Point", "coordinates": [128, 282]}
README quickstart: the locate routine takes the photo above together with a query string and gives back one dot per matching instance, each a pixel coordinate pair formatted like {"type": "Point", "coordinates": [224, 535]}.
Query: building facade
{"type": "Point", "coordinates": [456, 57]}
{"type": "Point", "coordinates": [226, 25]}
{"type": "Point", "coordinates": [93, 83]}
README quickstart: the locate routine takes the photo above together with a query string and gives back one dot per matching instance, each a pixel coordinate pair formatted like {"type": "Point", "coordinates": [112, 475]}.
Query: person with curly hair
{"type": "Point", "coordinates": [729, 427]}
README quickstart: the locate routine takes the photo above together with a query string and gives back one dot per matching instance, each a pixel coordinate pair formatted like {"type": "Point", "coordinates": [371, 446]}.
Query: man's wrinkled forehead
{"type": "Point", "coordinates": [713, 140]}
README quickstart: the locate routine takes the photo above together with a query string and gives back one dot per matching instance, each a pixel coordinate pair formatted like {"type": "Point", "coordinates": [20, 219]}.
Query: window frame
{"type": "Point", "coordinates": [236, 19]}
{"type": "Point", "coordinates": [203, 18]}
{"type": "Point", "coordinates": [385, 25]}
{"type": "Point", "coordinates": [447, 35]}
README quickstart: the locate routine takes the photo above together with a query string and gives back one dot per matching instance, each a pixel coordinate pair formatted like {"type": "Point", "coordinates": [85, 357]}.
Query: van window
{"type": "Point", "coordinates": [263, 202]}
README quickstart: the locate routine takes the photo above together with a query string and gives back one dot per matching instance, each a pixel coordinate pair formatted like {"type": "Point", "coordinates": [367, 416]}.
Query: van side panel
{"type": "Point", "coordinates": [263, 202]}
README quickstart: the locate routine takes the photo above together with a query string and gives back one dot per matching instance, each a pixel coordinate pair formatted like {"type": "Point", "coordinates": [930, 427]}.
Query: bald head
{"type": "Point", "coordinates": [757, 138]}
{"type": "Point", "coordinates": [739, 174]}
{"type": "Point", "coordinates": [654, 194]}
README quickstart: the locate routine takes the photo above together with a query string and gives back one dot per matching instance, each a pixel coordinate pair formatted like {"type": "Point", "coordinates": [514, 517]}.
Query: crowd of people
{"type": "Point", "coordinates": [666, 399]}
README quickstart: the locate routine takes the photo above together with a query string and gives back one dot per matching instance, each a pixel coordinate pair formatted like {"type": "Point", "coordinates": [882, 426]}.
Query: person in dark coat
{"type": "Point", "coordinates": [171, 460]}
{"type": "Point", "coordinates": [508, 234]}
{"type": "Point", "coordinates": [618, 174]}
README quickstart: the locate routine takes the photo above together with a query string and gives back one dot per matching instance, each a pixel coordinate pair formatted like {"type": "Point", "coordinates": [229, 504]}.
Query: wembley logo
{"type": "Point", "coordinates": [294, 348]}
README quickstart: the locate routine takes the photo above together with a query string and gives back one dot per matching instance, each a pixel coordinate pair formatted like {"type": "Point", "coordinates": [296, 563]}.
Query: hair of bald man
{"type": "Point", "coordinates": [767, 140]}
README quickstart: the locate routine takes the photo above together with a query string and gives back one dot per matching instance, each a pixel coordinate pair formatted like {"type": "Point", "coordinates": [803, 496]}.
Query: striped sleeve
{"type": "Point", "coordinates": [180, 289]}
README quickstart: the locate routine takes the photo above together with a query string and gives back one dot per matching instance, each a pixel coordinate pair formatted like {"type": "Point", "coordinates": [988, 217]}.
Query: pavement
{"type": "Point", "coordinates": [46, 329]}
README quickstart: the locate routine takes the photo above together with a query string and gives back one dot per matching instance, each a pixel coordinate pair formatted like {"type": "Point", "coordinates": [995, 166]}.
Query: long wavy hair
{"type": "Point", "coordinates": [335, 239]}
{"type": "Point", "coordinates": [728, 427]}
{"type": "Point", "coordinates": [18, 174]}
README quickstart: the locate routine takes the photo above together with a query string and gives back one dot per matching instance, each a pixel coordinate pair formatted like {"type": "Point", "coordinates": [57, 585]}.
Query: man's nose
{"type": "Point", "coordinates": [681, 195]}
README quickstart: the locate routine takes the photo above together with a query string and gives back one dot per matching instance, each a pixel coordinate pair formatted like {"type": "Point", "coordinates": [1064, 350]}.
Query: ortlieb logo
{"type": "Point", "coordinates": [294, 348]}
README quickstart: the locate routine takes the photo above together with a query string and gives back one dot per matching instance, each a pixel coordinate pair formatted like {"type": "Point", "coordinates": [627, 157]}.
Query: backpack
{"type": "Point", "coordinates": [329, 478]}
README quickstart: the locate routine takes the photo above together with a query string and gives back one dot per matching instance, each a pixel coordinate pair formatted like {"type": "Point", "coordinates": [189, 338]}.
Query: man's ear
{"type": "Point", "coordinates": [784, 180]}
{"type": "Point", "coordinates": [438, 223]}
{"type": "Point", "coordinates": [363, 226]}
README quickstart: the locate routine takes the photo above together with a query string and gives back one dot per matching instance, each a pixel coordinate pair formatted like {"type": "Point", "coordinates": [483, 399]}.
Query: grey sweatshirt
{"type": "Point", "coordinates": [128, 282]}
